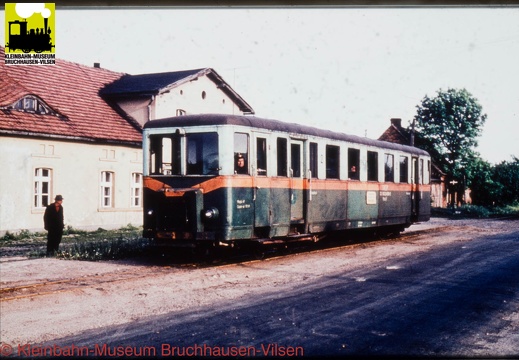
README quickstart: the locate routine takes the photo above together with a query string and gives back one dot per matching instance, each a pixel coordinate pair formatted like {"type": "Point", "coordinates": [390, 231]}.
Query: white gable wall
{"type": "Point", "coordinates": [188, 97]}
{"type": "Point", "coordinates": [138, 108]}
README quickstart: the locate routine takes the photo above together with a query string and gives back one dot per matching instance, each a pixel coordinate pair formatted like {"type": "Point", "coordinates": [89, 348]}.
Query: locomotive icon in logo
{"type": "Point", "coordinates": [26, 39]}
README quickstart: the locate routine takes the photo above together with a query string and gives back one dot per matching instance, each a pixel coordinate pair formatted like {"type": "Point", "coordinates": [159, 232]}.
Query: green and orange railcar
{"type": "Point", "coordinates": [296, 182]}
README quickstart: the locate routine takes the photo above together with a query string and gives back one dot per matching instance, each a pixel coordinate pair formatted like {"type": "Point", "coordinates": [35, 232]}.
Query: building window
{"type": "Point", "coordinates": [33, 104]}
{"type": "Point", "coordinates": [389, 167]}
{"type": "Point", "coordinates": [107, 189]}
{"type": "Point", "coordinates": [332, 162]}
{"type": "Point", "coordinates": [372, 166]}
{"type": "Point", "coordinates": [204, 95]}
{"type": "Point", "coordinates": [136, 189]}
{"type": "Point", "coordinates": [404, 169]}
{"type": "Point", "coordinates": [353, 164]}
{"type": "Point", "coordinates": [42, 182]}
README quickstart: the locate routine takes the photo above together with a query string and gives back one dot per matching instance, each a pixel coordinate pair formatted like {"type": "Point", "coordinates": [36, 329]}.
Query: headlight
{"type": "Point", "coordinates": [150, 212]}
{"type": "Point", "coordinates": [211, 213]}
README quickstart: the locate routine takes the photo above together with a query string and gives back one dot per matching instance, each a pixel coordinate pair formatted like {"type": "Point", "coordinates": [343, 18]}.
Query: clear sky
{"type": "Point", "coordinates": [345, 69]}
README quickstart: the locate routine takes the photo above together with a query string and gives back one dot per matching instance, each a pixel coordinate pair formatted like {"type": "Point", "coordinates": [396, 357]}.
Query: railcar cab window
{"type": "Point", "coordinates": [202, 154]}
{"type": "Point", "coordinates": [372, 166]}
{"type": "Point", "coordinates": [165, 154]}
{"type": "Point", "coordinates": [389, 163]}
{"type": "Point", "coordinates": [353, 164]}
{"type": "Point", "coordinates": [261, 156]}
{"type": "Point", "coordinates": [241, 153]}
{"type": "Point", "coordinates": [332, 161]}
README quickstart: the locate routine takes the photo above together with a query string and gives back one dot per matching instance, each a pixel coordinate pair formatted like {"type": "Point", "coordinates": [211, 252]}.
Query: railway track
{"type": "Point", "coordinates": [52, 287]}
{"type": "Point", "coordinates": [151, 266]}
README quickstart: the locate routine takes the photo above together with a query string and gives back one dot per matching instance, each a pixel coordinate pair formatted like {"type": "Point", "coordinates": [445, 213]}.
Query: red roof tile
{"type": "Point", "coordinates": [71, 90]}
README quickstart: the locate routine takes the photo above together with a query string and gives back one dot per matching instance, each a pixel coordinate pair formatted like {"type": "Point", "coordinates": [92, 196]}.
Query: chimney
{"type": "Point", "coordinates": [396, 122]}
{"type": "Point", "coordinates": [97, 65]}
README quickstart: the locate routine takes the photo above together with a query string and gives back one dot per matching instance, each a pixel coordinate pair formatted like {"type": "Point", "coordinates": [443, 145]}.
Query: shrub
{"type": "Point", "coordinates": [105, 249]}
{"type": "Point", "coordinates": [474, 211]}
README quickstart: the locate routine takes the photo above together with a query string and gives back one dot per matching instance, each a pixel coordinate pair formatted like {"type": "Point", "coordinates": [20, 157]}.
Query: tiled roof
{"type": "Point", "coordinates": [399, 135]}
{"type": "Point", "coordinates": [147, 83]}
{"type": "Point", "coordinates": [72, 91]}
{"type": "Point", "coordinates": [396, 134]}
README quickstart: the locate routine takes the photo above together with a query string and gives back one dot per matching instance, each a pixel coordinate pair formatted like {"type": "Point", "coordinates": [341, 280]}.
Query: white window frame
{"type": "Point", "coordinates": [33, 104]}
{"type": "Point", "coordinates": [39, 194]}
{"type": "Point", "coordinates": [136, 190]}
{"type": "Point", "coordinates": [107, 189]}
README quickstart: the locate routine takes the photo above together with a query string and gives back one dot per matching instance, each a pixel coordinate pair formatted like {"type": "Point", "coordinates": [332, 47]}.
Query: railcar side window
{"type": "Point", "coordinates": [332, 161]}
{"type": "Point", "coordinates": [295, 156]}
{"type": "Point", "coordinates": [422, 179]}
{"type": "Point", "coordinates": [164, 155]}
{"type": "Point", "coordinates": [353, 164]}
{"type": "Point", "coordinates": [261, 156]}
{"type": "Point", "coordinates": [282, 156]}
{"type": "Point", "coordinates": [389, 167]}
{"type": "Point", "coordinates": [202, 154]}
{"type": "Point", "coordinates": [314, 160]}
{"type": "Point", "coordinates": [428, 173]}
{"type": "Point", "coordinates": [372, 166]}
{"type": "Point", "coordinates": [241, 153]}
{"type": "Point", "coordinates": [404, 169]}
{"type": "Point", "coordinates": [414, 171]}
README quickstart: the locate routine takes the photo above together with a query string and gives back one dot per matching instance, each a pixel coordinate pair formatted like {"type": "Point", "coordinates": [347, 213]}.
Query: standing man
{"type": "Point", "coordinates": [54, 224]}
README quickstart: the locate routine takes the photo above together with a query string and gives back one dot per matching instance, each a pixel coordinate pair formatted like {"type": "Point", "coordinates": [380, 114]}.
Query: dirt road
{"type": "Point", "coordinates": [46, 299]}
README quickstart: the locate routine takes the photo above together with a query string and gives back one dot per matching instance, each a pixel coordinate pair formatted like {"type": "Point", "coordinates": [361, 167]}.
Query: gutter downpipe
{"type": "Point", "coordinates": [149, 106]}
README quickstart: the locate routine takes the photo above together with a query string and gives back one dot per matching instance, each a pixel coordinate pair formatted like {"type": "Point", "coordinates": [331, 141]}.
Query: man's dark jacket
{"type": "Point", "coordinates": [52, 219]}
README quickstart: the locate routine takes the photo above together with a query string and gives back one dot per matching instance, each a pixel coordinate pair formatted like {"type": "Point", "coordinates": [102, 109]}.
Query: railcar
{"type": "Point", "coordinates": [229, 180]}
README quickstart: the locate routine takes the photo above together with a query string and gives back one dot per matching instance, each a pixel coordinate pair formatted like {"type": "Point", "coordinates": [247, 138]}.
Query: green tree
{"type": "Point", "coordinates": [448, 125]}
{"type": "Point", "coordinates": [484, 190]}
{"type": "Point", "coordinates": [506, 175]}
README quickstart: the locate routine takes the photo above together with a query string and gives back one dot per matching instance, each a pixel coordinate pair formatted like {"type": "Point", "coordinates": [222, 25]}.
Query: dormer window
{"type": "Point", "coordinates": [33, 104]}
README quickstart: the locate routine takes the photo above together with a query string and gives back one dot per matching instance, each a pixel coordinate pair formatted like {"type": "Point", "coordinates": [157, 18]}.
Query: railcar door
{"type": "Point", "coordinates": [415, 189]}
{"type": "Point", "coordinates": [296, 183]}
{"type": "Point", "coordinates": [261, 186]}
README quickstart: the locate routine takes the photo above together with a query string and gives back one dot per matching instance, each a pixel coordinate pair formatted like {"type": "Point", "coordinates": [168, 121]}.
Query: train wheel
{"type": "Point", "coordinates": [26, 50]}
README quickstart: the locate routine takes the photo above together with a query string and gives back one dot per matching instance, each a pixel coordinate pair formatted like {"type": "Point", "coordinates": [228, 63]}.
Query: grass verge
{"type": "Point", "coordinates": [78, 244]}
{"type": "Point", "coordinates": [475, 211]}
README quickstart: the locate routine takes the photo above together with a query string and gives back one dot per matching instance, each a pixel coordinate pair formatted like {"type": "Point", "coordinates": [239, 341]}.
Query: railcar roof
{"type": "Point", "coordinates": [273, 125]}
